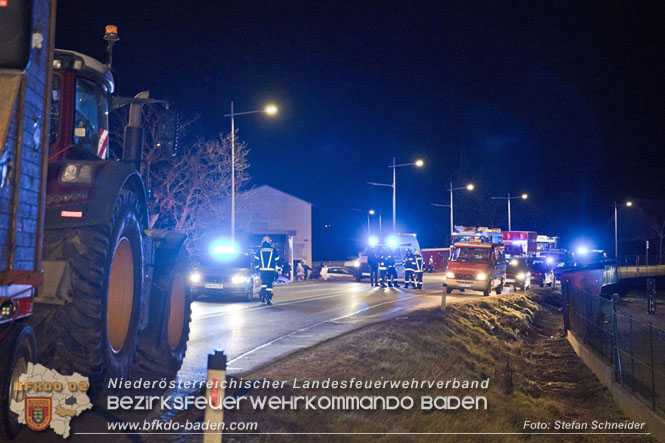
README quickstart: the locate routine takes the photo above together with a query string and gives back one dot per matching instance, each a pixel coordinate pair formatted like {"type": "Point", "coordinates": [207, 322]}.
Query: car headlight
{"type": "Point", "coordinates": [450, 275]}
{"type": "Point", "coordinates": [239, 279]}
{"type": "Point", "coordinates": [195, 277]}
{"type": "Point", "coordinates": [76, 173]}
{"type": "Point", "coordinates": [481, 276]}
{"type": "Point", "coordinates": [513, 262]}
{"type": "Point", "coordinates": [520, 276]}
{"type": "Point", "coordinates": [356, 263]}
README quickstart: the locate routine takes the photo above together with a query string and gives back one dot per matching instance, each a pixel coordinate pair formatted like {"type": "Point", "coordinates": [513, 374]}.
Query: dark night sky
{"type": "Point", "coordinates": [558, 99]}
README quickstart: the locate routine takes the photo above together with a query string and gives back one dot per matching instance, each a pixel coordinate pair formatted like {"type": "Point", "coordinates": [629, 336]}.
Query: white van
{"type": "Point", "coordinates": [397, 243]}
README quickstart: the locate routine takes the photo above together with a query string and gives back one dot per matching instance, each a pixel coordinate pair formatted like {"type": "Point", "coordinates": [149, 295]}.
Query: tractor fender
{"type": "Point", "coordinates": [111, 179]}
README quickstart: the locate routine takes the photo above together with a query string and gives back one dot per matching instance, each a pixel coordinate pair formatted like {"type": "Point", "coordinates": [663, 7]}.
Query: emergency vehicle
{"type": "Point", "coordinates": [520, 242]}
{"type": "Point", "coordinates": [472, 233]}
{"type": "Point", "coordinates": [545, 243]}
{"type": "Point", "coordinates": [397, 244]}
{"type": "Point", "coordinates": [518, 274]}
{"type": "Point", "coordinates": [477, 266]}
{"type": "Point", "coordinates": [439, 258]}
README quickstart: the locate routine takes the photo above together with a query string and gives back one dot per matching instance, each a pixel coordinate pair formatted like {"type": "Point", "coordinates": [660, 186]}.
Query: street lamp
{"type": "Point", "coordinates": [616, 238]}
{"type": "Point", "coordinates": [373, 212]}
{"type": "Point", "coordinates": [509, 198]}
{"type": "Point", "coordinates": [270, 110]}
{"type": "Point", "coordinates": [419, 163]}
{"type": "Point", "coordinates": [468, 187]}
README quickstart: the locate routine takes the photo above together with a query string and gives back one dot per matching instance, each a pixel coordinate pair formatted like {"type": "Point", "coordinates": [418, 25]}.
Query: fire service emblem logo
{"type": "Point", "coordinates": [38, 412]}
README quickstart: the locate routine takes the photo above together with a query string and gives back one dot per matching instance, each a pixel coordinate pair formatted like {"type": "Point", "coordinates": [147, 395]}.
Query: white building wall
{"type": "Point", "coordinates": [266, 209]}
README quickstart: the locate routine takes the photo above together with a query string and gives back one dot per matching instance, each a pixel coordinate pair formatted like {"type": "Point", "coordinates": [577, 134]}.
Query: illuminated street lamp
{"type": "Point", "coordinates": [373, 212]}
{"type": "Point", "coordinates": [369, 231]}
{"type": "Point", "coordinates": [270, 110]}
{"type": "Point", "coordinates": [509, 198]}
{"type": "Point", "coordinates": [468, 187]}
{"type": "Point", "coordinates": [419, 163]}
{"type": "Point", "coordinates": [616, 238]}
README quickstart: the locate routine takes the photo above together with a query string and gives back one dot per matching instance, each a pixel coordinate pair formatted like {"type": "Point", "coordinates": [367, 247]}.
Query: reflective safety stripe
{"type": "Point", "coordinates": [264, 286]}
{"type": "Point", "coordinates": [269, 289]}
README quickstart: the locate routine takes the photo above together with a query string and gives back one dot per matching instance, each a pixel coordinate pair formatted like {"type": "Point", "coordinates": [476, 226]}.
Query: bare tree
{"type": "Point", "coordinates": [188, 190]}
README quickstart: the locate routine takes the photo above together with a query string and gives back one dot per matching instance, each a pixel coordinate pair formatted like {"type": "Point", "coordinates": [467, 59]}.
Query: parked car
{"type": "Point", "coordinates": [232, 276]}
{"type": "Point", "coordinates": [541, 273]}
{"type": "Point", "coordinates": [341, 271]}
{"type": "Point", "coordinates": [518, 274]}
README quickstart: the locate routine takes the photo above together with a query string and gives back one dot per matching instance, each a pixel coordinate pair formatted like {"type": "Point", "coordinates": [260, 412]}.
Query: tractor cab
{"type": "Point", "coordinates": [79, 127]}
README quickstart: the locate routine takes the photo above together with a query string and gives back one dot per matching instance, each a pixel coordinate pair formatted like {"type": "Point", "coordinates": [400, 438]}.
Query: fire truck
{"type": "Point", "coordinates": [476, 266]}
{"type": "Point", "coordinates": [520, 242]}
{"type": "Point", "coordinates": [85, 285]}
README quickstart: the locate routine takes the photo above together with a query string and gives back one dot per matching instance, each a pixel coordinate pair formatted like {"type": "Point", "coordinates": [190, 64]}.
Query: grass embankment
{"type": "Point", "coordinates": [516, 341]}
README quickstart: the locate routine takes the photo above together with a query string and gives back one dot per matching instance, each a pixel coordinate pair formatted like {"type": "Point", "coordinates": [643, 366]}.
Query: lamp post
{"type": "Point", "coordinates": [270, 110]}
{"type": "Point", "coordinates": [509, 198]}
{"type": "Point", "coordinates": [468, 187]}
{"type": "Point", "coordinates": [616, 229]}
{"type": "Point", "coordinates": [394, 166]}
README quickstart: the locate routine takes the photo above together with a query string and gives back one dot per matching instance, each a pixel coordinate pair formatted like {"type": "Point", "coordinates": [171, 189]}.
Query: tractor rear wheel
{"type": "Point", "coordinates": [163, 344]}
{"type": "Point", "coordinates": [96, 333]}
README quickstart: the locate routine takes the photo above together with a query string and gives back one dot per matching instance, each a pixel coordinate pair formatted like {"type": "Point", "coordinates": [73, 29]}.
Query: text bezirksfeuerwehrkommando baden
{"type": "Point", "coordinates": [389, 400]}
{"type": "Point", "coordinates": [296, 383]}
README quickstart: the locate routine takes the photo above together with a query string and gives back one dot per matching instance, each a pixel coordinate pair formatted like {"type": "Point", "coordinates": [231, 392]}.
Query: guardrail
{"type": "Point", "coordinates": [641, 271]}
{"type": "Point", "coordinates": [635, 349]}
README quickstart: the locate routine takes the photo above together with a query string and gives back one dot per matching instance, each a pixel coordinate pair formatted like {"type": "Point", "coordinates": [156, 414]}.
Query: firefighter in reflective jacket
{"type": "Point", "coordinates": [420, 268]}
{"type": "Point", "coordinates": [409, 264]}
{"type": "Point", "coordinates": [267, 262]}
{"type": "Point", "coordinates": [391, 272]}
{"type": "Point", "coordinates": [383, 267]}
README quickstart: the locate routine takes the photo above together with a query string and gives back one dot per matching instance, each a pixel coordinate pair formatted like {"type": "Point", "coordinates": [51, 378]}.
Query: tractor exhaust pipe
{"type": "Point", "coordinates": [132, 147]}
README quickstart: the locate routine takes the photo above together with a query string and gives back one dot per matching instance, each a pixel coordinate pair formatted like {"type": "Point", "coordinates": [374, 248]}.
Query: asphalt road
{"type": "Point", "coordinates": [252, 334]}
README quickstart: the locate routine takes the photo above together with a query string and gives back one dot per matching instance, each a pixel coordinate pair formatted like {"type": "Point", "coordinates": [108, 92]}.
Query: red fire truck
{"type": "Point", "coordinates": [476, 266]}
{"type": "Point", "coordinates": [438, 256]}
{"type": "Point", "coordinates": [520, 242]}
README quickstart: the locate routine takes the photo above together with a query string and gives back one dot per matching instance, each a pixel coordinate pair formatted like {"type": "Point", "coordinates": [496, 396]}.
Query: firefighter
{"type": "Point", "coordinates": [373, 262]}
{"type": "Point", "coordinates": [419, 269]}
{"type": "Point", "coordinates": [267, 262]}
{"type": "Point", "coordinates": [409, 264]}
{"type": "Point", "coordinates": [383, 266]}
{"type": "Point", "coordinates": [391, 272]}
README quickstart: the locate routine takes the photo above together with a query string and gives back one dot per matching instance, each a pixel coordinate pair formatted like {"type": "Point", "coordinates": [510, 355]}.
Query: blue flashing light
{"type": "Point", "coordinates": [373, 240]}
{"type": "Point", "coordinates": [223, 249]}
{"type": "Point", "coordinates": [392, 241]}
{"type": "Point", "coordinates": [583, 250]}
{"type": "Point", "coordinates": [549, 260]}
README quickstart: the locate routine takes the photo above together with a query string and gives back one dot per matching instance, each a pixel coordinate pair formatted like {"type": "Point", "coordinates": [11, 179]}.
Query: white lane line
{"type": "Point", "coordinates": [282, 303]}
{"type": "Point", "coordinates": [287, 302]}
{"type": "Point", "coordinates": [258, 348]}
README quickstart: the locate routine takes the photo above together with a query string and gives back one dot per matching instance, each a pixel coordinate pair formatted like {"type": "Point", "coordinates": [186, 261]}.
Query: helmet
{"type": "Point", "coordinates": [266, 239]}
{"type": "Point", "coordinates": [417, 252]}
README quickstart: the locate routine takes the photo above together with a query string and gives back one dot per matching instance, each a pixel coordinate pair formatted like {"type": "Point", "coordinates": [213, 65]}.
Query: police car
{"type": "Point", "coordinates": [233, 277]}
